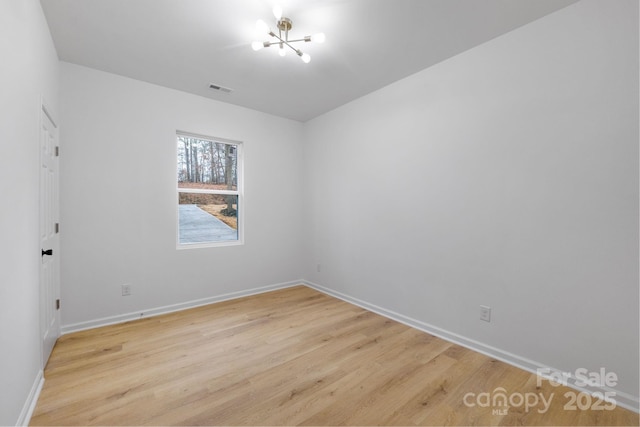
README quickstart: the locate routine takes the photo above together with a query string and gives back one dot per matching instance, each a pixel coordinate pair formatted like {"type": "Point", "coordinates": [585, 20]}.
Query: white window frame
{"type": "Point", "coordinates": [239, 192]}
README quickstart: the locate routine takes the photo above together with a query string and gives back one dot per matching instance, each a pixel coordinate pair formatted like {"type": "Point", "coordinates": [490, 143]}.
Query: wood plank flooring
{"type": "Point", "coordinates": [288, 357]}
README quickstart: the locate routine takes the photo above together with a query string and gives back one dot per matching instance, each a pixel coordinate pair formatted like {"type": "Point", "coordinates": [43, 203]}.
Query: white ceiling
{"type": "Point", "coordinates": [187, 44]}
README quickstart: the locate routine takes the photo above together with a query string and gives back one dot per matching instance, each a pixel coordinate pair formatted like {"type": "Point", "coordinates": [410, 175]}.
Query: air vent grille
{"type": "Point", "coordinates": [220, 88]}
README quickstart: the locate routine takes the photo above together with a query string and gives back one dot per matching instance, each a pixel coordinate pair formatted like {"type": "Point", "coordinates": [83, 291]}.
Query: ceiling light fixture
{"type": "Point", "coordinates": [284, 25]}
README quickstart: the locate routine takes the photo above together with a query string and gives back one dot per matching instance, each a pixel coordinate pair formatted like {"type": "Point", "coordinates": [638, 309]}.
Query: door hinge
{"type": "Point", "coordinates": [57, 227]}
{"type": "Point", "coordinates": [58, 304]}
{"type": "Point", "coordinates": [57, 151]}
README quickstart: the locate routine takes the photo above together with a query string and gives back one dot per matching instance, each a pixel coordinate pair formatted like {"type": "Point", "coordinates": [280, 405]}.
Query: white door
{"type": "Point", "coordinates": [49, 237]}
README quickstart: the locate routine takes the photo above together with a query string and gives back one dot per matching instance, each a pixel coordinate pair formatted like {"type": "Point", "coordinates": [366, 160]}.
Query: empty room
{"type": "Point", "coordinates": [319, 212]}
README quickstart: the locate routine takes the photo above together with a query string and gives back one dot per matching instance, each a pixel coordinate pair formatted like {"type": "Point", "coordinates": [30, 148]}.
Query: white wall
{"type": "Point", "coordinates": [506, 176]}
{"type": "Point", "coordinates": [29, 71]}
{"type": "Point", "coordinates": [118, 213]}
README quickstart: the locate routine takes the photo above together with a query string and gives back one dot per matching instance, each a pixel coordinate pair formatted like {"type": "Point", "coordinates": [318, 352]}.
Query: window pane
{"type": "Point", "coordinates": [207, 164]}
{"type": "Point", "coordinates": [206, 218]}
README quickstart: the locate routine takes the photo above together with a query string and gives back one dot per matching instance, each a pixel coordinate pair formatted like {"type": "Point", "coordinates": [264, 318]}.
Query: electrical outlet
{"type": "Point", "coordinates": [485, 313]}
{"type": "Point", "coordinates": [126, 290]}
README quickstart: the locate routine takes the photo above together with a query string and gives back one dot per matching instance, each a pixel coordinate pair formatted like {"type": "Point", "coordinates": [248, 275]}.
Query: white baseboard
{"type": "Point", "coordinates": [622, 399]}
{"type": "Point", "coordinates": [32, 400]}
{"type": "Point", "coordinates": [112, 320]}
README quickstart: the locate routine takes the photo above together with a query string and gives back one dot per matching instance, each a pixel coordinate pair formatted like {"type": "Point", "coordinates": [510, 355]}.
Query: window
{"type": "Point", "coordinates": [209, 183]}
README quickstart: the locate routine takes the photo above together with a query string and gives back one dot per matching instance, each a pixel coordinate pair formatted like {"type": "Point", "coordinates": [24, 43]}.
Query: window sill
{"type": "Point", "coordinates": [183, 246]}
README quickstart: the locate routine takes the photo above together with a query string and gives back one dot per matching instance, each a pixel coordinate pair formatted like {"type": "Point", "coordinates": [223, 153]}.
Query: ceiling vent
{"type": "Point", "coordinates": [220, 88]}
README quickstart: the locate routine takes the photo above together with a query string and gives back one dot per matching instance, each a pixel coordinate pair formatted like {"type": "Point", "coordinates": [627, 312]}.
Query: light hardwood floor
{"type": "Point", "coordinates": [288, 357]}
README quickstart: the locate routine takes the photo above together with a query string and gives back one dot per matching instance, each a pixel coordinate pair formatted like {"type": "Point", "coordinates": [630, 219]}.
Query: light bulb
{"type": "Point", "coordinates": [305, 58]}
{"type": "Point", "coordinates": [318, 38]}
{"type": "Point", "coordinates": [257, 45]}
{"type": "Point", "coordinates": [282, 51]}
{"type": "Point", "coordinates": [277, 12]}
{"type": "Point", "coordinates": [262, 26]}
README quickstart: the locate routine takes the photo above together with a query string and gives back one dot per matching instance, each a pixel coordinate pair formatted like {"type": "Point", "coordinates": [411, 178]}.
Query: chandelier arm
{"type": "Point", "coordinates": [292, 48]}
{"type": "Point", "coordinates": [285, 42]}
{"type": "Point", "coordinates": [306, 39]}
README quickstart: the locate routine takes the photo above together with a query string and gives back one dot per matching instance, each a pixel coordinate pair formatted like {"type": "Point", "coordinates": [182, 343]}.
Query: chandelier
{"type": "Point", "coordinates": [281, 39]}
